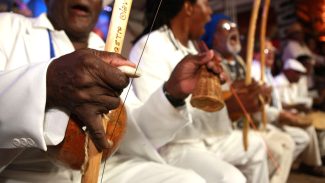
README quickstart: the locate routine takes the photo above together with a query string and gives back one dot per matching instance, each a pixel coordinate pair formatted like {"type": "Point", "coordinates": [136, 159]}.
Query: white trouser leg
{"type": "Point", "coordinates": [300, 137]}
{"type": "Point", "coordinates": [252, 163]}
{"type": "Point", "coordinates": [56, 176]}
{"type": "Point", "coordinates": [122, 169]}
{"type": "Point", "coordinates": [204, 163]}
{"type": "Point", "coordinates": [119, 169]}
{"type": "Point", "coordinates": [306, 144]}
{"type": "Point", "coordinates": [311, 156]}
{"type": "Point", "coordinates": [281, 148]}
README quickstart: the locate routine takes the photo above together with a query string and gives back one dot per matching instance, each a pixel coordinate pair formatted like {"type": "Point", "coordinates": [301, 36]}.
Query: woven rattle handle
{"type": "Point", "coordinates": [207, 95]}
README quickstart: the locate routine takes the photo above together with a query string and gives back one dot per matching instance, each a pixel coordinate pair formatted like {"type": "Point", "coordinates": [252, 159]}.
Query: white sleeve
{"type": "Point", "coordinates": [23, 119]}
{"type": "Point", "coordinates": [256, 70]}
{"type": "Point", "coordinates": [155, 70]}
{"type": "Point", "coordinates": [303, 93]}
{"type": "Point", "coordinates": [22, 101]}
{"type": "Point", "coordinates": [159, 120]}
{"type": "Point", "coordinates": [272, 114]}
{"type": "Point", "coordinates": [148, 125]}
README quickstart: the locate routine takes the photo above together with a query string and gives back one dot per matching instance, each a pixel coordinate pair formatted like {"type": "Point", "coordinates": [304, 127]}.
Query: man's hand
{"type": "Point", "coordinates": [248, 95]}
{"type": "Point", "coordinates": [184, 77]}
{"type": "Point", "coordinates": [293, 119]}
{"type": "Point", "coordinates": [301, 107]}
{"type": "Point", "coordinates": [83, 84]}
{"type": "Point", "coordinates": [266, 93]}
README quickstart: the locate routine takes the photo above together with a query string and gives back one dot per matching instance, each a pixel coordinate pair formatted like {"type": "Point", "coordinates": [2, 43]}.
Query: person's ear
{"type": "Point", "coordinates": [188, 7]}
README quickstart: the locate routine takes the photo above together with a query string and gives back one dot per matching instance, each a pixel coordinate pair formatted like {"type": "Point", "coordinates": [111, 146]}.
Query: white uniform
{"type": "Point", "coordinates": [24, 58]}
{"type": "Point", "coordinates": [209, 131]}
{"type": "Point", "coordinates": [280, 145]}
{"type": "Point", "coordinates": [297, 136]}
{"type": "Point", "coordinates": [293, 93]}
{"type": "Point", "coordinates": [289, 95]}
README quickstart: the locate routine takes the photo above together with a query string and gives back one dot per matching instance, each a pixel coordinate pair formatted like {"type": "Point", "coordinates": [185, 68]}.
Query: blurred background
{"type": "Point", "coordinates": [310, 13]}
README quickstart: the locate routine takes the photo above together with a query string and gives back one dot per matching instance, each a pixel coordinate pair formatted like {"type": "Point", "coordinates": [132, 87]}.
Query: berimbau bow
{"type": "Point", "coordinates": [114, 43]}
{"type": "Point", "coordinates": [262, 55]}
{"type": "Point", "coordinates": [249, 58]}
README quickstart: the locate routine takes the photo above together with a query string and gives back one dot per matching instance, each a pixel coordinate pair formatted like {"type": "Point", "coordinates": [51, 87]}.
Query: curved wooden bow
{"type": "Point", "coordinates": [262, 48]}
{"type": "Point", "coordinates": [114, 43]}
{"type": "Point", "coordinates": [249, 59]}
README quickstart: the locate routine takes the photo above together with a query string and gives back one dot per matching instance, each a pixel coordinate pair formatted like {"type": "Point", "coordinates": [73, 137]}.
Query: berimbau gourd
{"type": "Point", "coordinates": [77, 151]}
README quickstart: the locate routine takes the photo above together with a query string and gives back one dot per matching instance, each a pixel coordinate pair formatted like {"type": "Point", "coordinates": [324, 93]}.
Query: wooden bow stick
{"type": "Point", "coordinates": [262, 48]}
{"type": "Point", "coordinates": [114, 43]}
{"type": "Point", "coordinates": [249, 58]}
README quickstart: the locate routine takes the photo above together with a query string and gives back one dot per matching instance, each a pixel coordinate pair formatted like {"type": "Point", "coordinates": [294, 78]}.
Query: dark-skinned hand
{"type": "Point", "coordinates": [301, 107]}
{"type": "Point", "coordinates": [293, 119]}
{"type": "Point", "coordinates": [87, 84]}
{"type": "Point", "coordinates": [248, 95]}
{"type": "Point", "coordinates": [266, 93]}
{"type": "Point", "coordinates": [185, 75]}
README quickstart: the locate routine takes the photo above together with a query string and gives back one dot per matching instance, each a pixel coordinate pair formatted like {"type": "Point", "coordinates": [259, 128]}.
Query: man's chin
{"type": "Point", "coordinates": [233, 49]}
{"type": "Point", "coordinates": [234, 52]}
{"type": "Point", "coordinates": [79, 32]}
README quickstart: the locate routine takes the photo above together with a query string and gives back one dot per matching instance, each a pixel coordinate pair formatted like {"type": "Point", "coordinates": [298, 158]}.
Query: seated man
{"type": "Point", "coordinates": [313, 98]}
{"type": "Point", "coordinates": [180, 24]}
{"type": "Point", "coordinates": [286, 85]}
{"type": "Point", "coordinates": [306, 89]}
{"type": "Point", "coordinates": [223, 36]}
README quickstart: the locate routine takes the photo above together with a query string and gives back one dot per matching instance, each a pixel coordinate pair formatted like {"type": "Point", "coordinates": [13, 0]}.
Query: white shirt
{"type": "Point", "coordinates": [162, 53]}
{"type": "Point", "coordinates": [303, 93]}
{"type": "Point", "coordinates": [272, 111]}
{"type": "Point", "coordinates": [289, 92]}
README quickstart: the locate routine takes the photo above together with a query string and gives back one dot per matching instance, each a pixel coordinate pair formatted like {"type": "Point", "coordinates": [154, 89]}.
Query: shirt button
{"type": "Point", "coordinates": [16, 142]}
{"type": "Point", "coordinates": [30, 142]}
{"type": "Point", "coordinates": [23, 142]}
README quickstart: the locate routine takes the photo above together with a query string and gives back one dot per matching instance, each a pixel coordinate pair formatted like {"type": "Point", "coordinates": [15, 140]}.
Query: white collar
{"type": "Point", "coordinates": [190, 49]}
{"type": "Point", "coordinates": [284, 79]}
{"type": "Point", "coordinates": [42, 22]}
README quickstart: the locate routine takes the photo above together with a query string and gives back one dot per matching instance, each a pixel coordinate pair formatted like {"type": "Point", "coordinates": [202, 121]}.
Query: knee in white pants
{"type": "Point", "coordinates": [235, 177]}
{"type": "Point", "coordinates": [303, 139]}
{"type": "Point", "coordinates": [190, 177]}
{"type": "Point", "coordinates": [257, 147]}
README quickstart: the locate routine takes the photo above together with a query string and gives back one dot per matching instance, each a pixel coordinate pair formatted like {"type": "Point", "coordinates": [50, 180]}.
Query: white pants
{"type": "Point", "coordinates": [228, 148]}
{"type": "Point", "coordinates": [118, 170]}
{"type": "Point", "coordinates": [253, 162]}
{"type": "Point", "coordinates": [126, 170]}
{"type": "Point", "coordinates": [61, 176]}
{"type": "Point", "coordinates": [280, 153]}
{"type": "Point", "coordinates": [206, 164]}
{"type": "Point", "coordinates": [306, 144]}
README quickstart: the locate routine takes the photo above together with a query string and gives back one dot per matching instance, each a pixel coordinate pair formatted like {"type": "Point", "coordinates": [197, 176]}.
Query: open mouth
{"type": "Point", "coordinates": [233, 39]}
{"type": "Point", "coordinates": [80, 10]}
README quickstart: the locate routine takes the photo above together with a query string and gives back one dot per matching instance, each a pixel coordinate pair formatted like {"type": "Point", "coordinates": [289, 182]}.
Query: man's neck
{"type": "Point", "coordinates": [79, 42]}
{"type": "Point", "coordinates": [180, 30]}
{"type": "Point", "coordinates": [287, 77]}
{"type": "Point", "coordinates": [228, 57]}
{"type": "Point", "coordinates": [225, 55]}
